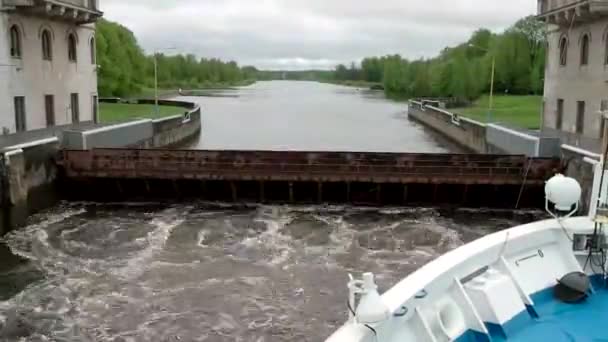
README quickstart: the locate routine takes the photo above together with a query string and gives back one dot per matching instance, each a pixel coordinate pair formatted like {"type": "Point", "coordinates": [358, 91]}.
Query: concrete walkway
{"type": "Point", "coordinates": [6, 141]}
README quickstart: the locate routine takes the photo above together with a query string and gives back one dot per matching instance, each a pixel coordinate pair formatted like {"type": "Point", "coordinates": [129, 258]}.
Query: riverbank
{"type": "Point", "coordinates": [357, 84]}
{"type": "Point", "coordinates": [166, 92]}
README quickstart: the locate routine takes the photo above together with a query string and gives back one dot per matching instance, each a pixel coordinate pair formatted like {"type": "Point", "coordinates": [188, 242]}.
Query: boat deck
{"type": "Point", "coordinates": [558, 321]}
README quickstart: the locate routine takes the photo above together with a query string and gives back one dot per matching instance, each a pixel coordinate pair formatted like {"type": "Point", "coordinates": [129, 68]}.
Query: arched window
{"type": "Point", "coordinates": [585, 49]}
{"type": "Point", "coordinates": [47, 45]}
{"type": "Point", "coordinates": [72, 53]}
{"type": "Point", "coordinates": [15, 41]}
{"type": "Point", "coordinates": [563, 51]}
{"type": "Point", "coordinates": [93, 51]}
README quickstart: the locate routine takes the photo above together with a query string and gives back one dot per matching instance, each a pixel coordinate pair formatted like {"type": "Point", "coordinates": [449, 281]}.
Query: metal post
{"type": "Point", "coordinates": [234, 192]}
{"type": "Point", "coordinates": [156, 85]}
{"type": "Point", "coordinates": [348, 192]}
{"type": "Point", "coordinates": [319, 192]}
{"type": "Point", "coordinates": [491, 107]}
{"type": "Point", "coordinates": [262, 192]}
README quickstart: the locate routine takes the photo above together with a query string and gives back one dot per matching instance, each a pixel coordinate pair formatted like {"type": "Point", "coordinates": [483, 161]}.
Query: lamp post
{"type": "Point", "coordinates": [156, 77]}
{"type": "Point", "coordinates": [491, 106]}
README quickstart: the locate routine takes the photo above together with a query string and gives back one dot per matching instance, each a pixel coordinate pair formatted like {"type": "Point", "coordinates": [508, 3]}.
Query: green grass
{"type": "Point", "coordinates": [121, 112]}
{"type": "Point", "coordinates": [522, 111]}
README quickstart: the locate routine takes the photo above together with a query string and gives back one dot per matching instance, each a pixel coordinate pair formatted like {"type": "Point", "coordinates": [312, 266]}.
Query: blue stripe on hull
{"type": "Point", "coordinates": [553, 320]}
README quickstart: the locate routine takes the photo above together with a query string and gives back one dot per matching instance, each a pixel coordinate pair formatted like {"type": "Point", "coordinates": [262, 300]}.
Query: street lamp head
{"type": "Point", "coordinates": [477, 47]}
{"type": "Point", "coordinates": [160, 50]}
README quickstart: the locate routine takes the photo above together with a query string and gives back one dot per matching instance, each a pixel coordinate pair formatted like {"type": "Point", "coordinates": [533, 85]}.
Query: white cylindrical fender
{"type": "Point", "coordinates": [449, 318]}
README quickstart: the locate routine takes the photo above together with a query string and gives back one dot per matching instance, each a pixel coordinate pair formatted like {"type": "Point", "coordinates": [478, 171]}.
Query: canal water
{"type": "Point", "coordinates": [310, 116]}
{"type": "Point", "coordinates": [212, 272]}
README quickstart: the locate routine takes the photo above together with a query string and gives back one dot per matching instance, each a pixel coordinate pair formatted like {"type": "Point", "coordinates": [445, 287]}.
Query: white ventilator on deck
{"type": "Point", "coordinates": [564, 192]}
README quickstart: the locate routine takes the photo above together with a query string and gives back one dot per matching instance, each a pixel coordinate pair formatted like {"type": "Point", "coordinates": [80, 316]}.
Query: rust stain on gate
{"type": "Point", "coordinates": [404, 168]}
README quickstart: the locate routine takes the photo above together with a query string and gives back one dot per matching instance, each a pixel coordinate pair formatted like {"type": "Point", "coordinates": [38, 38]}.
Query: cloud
{"type": "Point", "coordinates": [294, 34]}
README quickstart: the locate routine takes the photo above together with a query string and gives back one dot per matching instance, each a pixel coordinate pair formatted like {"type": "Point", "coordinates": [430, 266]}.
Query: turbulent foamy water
{"type": "Point", "coordinates": [210, 273]}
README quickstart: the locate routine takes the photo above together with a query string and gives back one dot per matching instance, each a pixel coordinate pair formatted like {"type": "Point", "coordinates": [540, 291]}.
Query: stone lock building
{"type": "Point", "coordinates": [576, 75]}
{"type": "Point", "coordinates": [48, 67]}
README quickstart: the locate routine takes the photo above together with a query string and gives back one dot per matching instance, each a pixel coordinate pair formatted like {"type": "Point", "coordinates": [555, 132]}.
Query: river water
{"type": "Point", "coordinates": [213, 272]}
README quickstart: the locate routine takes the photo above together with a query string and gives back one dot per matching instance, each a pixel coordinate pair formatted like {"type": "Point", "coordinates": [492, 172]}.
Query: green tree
{"type": "Point", "coordinates": [463, 70]}
{"type": "Point", "coordinates": [125, 69]}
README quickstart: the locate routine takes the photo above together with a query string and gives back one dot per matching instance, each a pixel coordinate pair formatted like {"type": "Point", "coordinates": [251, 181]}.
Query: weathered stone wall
{"type": "Point", "coordinates": [578, 166]}
{"type": "Point", "coordinates": [464, 132]}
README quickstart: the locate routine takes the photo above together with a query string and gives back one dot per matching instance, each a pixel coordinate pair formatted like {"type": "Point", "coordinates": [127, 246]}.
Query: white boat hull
{"type": "Point", "coordinates": [483, 289]}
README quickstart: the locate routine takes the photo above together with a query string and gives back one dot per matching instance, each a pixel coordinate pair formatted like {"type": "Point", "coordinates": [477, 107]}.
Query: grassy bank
{"type": "Point", "coordinates": [357, 84]}
{"type": "Point", "coordinates": [522, 111]}
{"type": "Point", "coordinates": [171, 91]}
{"type": "Point", "coordinates": [121, 112]}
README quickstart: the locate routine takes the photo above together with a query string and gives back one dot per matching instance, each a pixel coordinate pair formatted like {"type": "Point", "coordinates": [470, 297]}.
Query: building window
{"type": "Point", "coordinates": [15, 41]}
{"type": "Point", "coordinates": [606, 50]}
{"type": "Point", "coordinates": [559, 120]}
{"type": "Point", "coordinates": [603, 113]}
{"type": "Point", "coordinates": [47, 45]}
{"type": "Point", "coordinates": [72, 53]}
{"type": "Point", "coordinates": [93, 51]}
{"type": "Point", "coordinates": [49, 108]}
{"type": "Point", "coordinates": [95, 104]}
{"type": "Point", "coordinates": [20, 113]}
{"type": "Point", "coordinates": [580, 117]}
{"type": "Point", "coordinates": [585, 50]}
{"type": "Point", "coordinates": [563, 51]}
{"type": "Point", "coordinates": [75, 107]}
{"type": "Point", "coordinates": [542, 6]}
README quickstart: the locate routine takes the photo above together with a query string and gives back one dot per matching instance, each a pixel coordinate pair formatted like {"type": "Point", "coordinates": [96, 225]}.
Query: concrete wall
{"type": "Point", "coordinates": [505, 140]}
{"type": "Point", "coordinates": [28, 179]}
{"type": "Point", "coordinates": [159, 133]}
{"type": "Point", "coordinates": [464, 132]}
{"type": "Point", "coordinates": [176, 130]}
{"type": "Point", "coordinates": [482, 138]}
{"type": "Point", "coordinates": [121, 135]}
{"type": "Point", "coordinates": [578, 166]}
{"type": "Point", "coordinates": [33, 77]}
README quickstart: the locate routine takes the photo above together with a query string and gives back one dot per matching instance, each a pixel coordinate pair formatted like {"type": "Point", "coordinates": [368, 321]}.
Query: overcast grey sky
{"type": "Point", "coordinates": [301, 34]}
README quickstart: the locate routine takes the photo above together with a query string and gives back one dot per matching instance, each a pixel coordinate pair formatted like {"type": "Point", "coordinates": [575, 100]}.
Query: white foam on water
{"type": "Point", "coordinates": [201, 236]}
{"type": "Point", "coordinates": [155, 241]}
{"type": "Point", "coordinates": [342, 235]}
{"type": "Point", "coordinates": [20, 240]}
{"type": "Point", "coordinates": [280, 246]}
{"type": "Point", "coordinates": [275, 241]}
